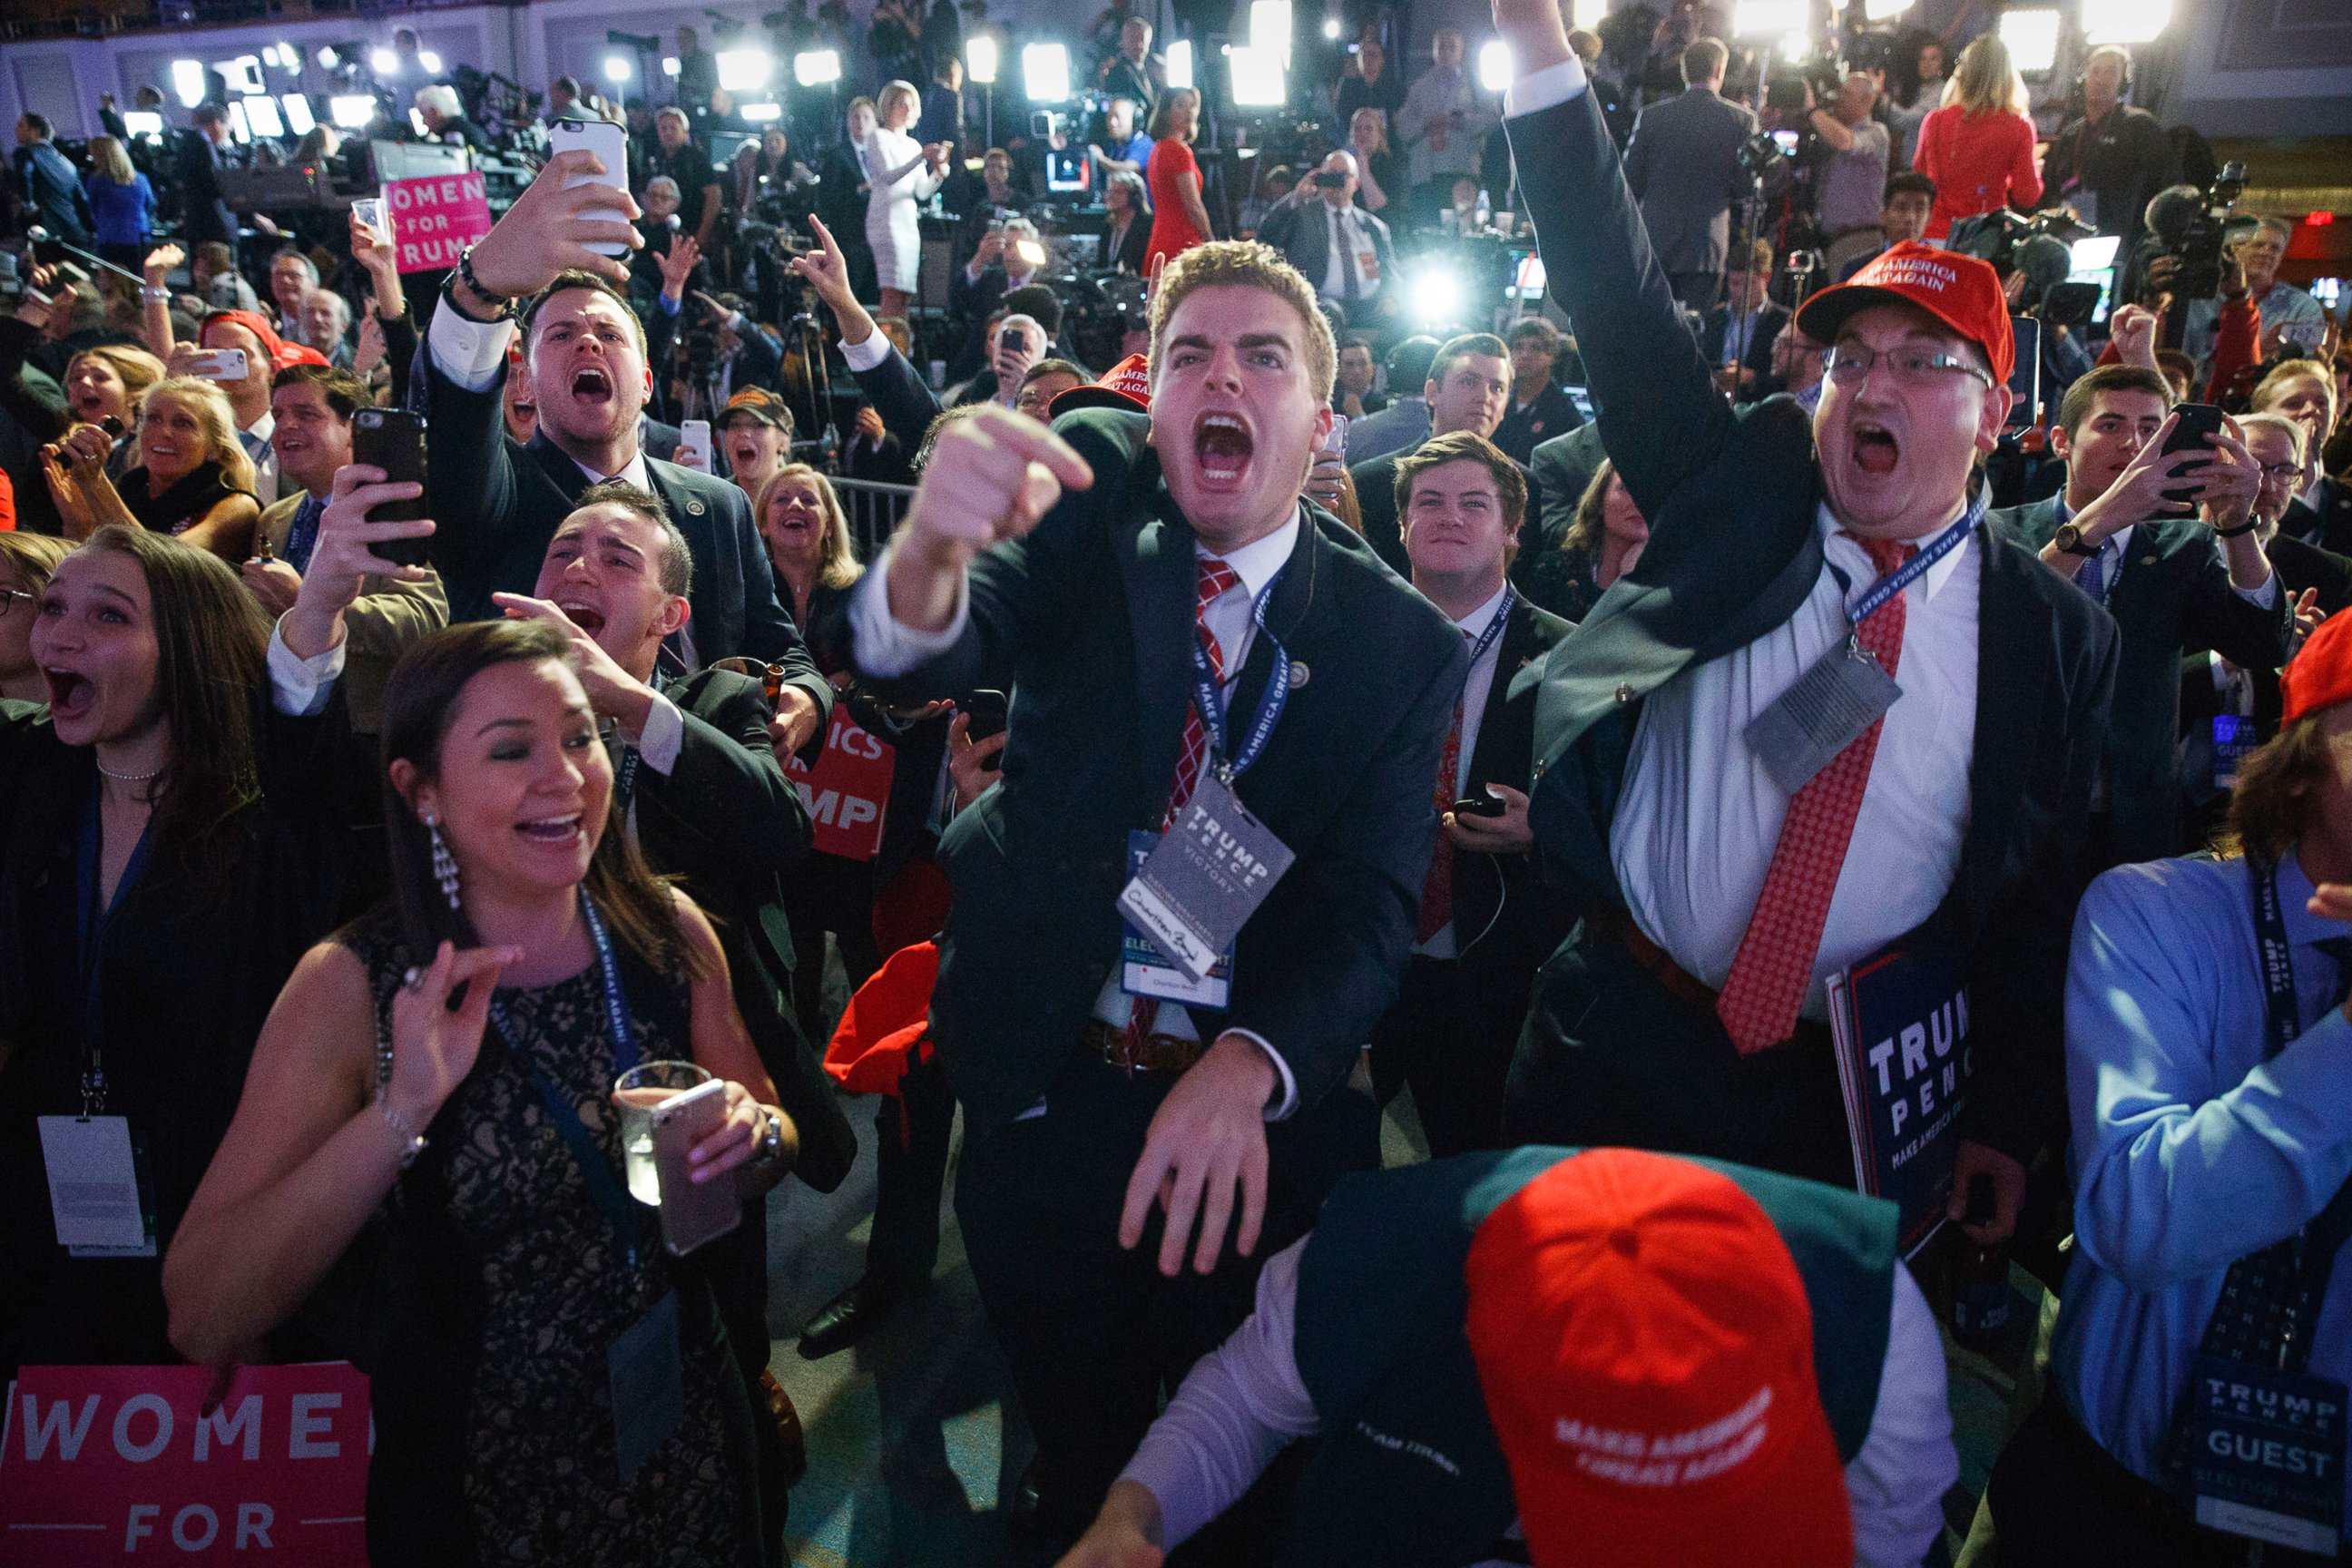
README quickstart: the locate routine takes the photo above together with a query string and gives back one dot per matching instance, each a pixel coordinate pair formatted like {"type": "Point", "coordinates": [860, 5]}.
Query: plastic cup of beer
{"type": "Point", "coordinates": [635, 1093]}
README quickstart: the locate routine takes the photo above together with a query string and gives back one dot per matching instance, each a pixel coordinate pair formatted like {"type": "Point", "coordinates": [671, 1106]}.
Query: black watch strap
{"type": "Point", "coordinates": [2238, 532]}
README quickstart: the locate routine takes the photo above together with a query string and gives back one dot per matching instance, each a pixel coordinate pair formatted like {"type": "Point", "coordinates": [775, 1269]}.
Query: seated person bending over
{"type": "Point", "coordinates": [1720, 893]}
{"type": "Point", "coordinates": [499, 502]}
{"type": "Point", "coordinates": [1491, 1349]}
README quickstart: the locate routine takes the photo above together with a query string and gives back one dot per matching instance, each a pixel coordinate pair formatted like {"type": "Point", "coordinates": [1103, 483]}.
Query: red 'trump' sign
{"type": "Point", "coordinates": [847, 792]}
{"type": "Point", "coordinates": [100, 1463]}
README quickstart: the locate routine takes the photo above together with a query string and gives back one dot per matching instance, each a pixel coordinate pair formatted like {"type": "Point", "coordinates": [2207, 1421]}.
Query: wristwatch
{"type": "Point", "coordinates": [771, 1137]}
{"type": "Point", "coordinates": [2069, 538]}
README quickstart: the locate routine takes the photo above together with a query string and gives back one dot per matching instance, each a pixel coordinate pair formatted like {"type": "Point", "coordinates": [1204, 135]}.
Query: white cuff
{"type": "Point", "coordinates": [298, 687]}
{"type": "Point", "coordinates": [1286, 1102]}
{"type": "Point", "coordinates": [663, 737]}
{"type": "Point", "coordinates": [887, 647]}
{"type": "Point", "coordinates": [1543, 88]}
{"type": "Point", "coordinates": [471, 354]}
{"type": "Point", "coordinates": [866, 355]}
{"type": "Point", "coordinates": [2266, 596]}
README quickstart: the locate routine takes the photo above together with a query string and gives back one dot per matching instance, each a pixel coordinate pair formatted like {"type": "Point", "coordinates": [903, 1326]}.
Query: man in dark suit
{"type": "Point", "coordinates": [1006, 264]}
{"type": "Point", "coordinates": [205, 214]}
{"type": "Point", "coordinates": [1740, 331]}
{"type": "Point", "coordinates": [499, 503]}
{"type": "Point", "coordinates": [2278, 443]}
{"type": "Point", "coordinates": [2169, 589]}
{"type": "Point", "coordinates": [1469, 386]}
{"type": "Point", "coordinates": [1123, 613]}
{"type": "Point", "coordinates": [2320, 512]}
{"type": "Point", "coordinates": [1540, 407]}
{"type": "Point", "coordinates": [1355, 276]}
{"type": "Point", "coordinates": [1486, 920]}
{"type": "Point", "coordinates": [1688, 1013]}
{"type": "Point", "coordinates": [1683, 165]}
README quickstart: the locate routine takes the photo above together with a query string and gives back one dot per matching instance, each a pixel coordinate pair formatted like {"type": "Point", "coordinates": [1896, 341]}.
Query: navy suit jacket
{"type": "Point", "coordinates": [1093, 613]}
{"type": "Point", "coordinates": [1733, 497]}
{"type": "Point", "coordinates": [1552, 414]}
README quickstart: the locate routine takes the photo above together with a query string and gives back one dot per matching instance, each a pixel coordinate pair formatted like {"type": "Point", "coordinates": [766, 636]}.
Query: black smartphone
{"type": "Point", "coordinates": [986, 711]}
{"type": "Point", "coordinates": [2193, 422]}
{"type": "Point", "coordinates": [1478, 806]}
{"type": "Point", "coordinates": [1330, 179]}
{"type": "Point", "coordinates": [393, 439]}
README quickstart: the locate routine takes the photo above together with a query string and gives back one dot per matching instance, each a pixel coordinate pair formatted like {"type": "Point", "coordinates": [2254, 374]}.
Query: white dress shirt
{"type": "Point", "coordinates": [1700, 818]}
{"type": "Point", "coordinates": [1481, 684]}
{"type": "Point", "coordinates": [255, 439]}
{"type": "Point", "coordinates": [1243, 1402]}
{"type": "Point", "coordinates": [888, 646]}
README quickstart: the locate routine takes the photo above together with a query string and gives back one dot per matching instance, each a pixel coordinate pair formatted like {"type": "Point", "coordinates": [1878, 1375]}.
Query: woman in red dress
{"type": "Point", "coordinates": [1178, 219]}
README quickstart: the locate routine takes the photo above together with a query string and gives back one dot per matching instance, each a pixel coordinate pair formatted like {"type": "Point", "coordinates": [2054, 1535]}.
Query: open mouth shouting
{"type": "Point", "coordinates": [592, 383]}
{"type": "Point", "coordinates": [90, 404]}
{"type": "Point", "coordinates": [585, 614]}
{"type": "Point", "coordinates": [743, 452]}
{"type": "Point", "coordinates": [1876, 449]}
{"type": "Point", "coordinates": [555, 832]}
{"type": "Point", "coordinates": [1223, 445]}
{"type": "Point", "coordinates": [72, 695]}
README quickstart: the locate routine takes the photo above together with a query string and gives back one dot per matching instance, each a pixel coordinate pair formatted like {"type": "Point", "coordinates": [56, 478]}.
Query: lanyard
{"type": "Point", "coordinates": [90, 923]}
{"type": "Point", "coordinates": [1902, 577]}
{"type": "Point", "coordinates": [1210, 700]}
{"type": "Point", "coordinates": [595, 1170]}
{"type": "Point", "coordinates": [1494, 630]}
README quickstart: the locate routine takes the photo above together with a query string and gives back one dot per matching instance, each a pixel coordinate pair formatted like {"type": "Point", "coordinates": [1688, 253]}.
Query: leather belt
{"type": "Point", "coordinates": [1153, 1053]}
{"type": "Point", "coordinates": [1678, 982]}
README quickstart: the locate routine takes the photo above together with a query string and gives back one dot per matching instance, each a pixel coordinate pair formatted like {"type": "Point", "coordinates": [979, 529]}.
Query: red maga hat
{"type": "Point", "coordinates": [1645, 1347]}
{"type": "Point", "coordinates": [282, 354]}
{"type": "Point", "coordinates": [1960, 291]}
{"type": "Point", "coordinates": [2320, 675]}
{"type": "Point", "coordinates": [1127, 384]}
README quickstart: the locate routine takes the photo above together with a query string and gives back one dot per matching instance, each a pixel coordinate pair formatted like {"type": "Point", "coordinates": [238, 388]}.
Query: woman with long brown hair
{"type": "Point", "coordinates": [1179, 220]}
{"type": "Point", "coordinates": [429, 1130]}
{"type": "Point", "coordinates": [192, 479]}
{"type": "Point", "coordinates": [172, 842]}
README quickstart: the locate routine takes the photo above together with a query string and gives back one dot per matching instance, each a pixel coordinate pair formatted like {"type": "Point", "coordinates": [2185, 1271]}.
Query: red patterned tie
{"type": "Point", "coordinates": [1775, 964]}
{"type": "Point", "coordinates": [1215, 577]}
{"type": "Point", "coordinates": [1437, 889]}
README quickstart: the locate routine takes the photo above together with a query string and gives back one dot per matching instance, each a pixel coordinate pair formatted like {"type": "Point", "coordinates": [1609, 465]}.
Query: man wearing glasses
{"type": "Point", "coordinates": [2113, 533]}
{"type": "Point", "coordinates": [1727, 873]}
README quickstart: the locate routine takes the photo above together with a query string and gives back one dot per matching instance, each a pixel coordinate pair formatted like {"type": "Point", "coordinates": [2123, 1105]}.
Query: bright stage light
{"type": "Point", "coordinates": [188, 82]}
{"type": "Point", "coordinates": [351, 110]}
{"type": "Point", "coordinates": [816, 67]}
{"type": "Point", "coordinates": [2031, 37]}
{"type": "Point", "coordinates": [1494, 65]}
{"type": "Point", "coordinates": [1045, 72]}
{"type": "Point", "coordinates": [299, 118]}
{"type": "Point", "coordinates": [1885, 10]}
{"type": "Point", "coordinates": [1256, 76]}
{"type": "Point", "coordinates": [618, 68]}
{"type": "Point", "coordinates": [1769, 19]}
{"type": "Point", "coordinates": [384, 62]}
{"type": "Point", "coordinates": [1436, 296]}
{"type": "Point", "coordinates": [238, 126]}
{"type": "Point", "coordinates": [744, 70]}
{"type": "Point", "coordinates": [2125, 21]}
{"type": "Point", "coordinates": [1331, 28]}
{"type": "Point", "coordinates": [1179, 57]}
{"type": "Point", "coordinates": [980, 59]}
{"type": "Point", "coordinates": [760, 113]}
{"type": "Point", "coordinates": [261, 114]}
{"type": "Point", "coordinates": [1269, 29]}
{"type": "Point", "coordinates": [430, 60]}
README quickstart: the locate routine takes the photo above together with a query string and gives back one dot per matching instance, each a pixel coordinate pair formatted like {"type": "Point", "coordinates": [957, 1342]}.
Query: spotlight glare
{"type": "Point", "coordinates": [1796, 47]}
{"type": "Point", "coordinates": [1331, 28]}
{"type": "Point", "coordinates": [351, 110]}
{"type": "Point", "coordinates": [2125, 21]}
{"type": "Point", "coordinates": [816, 67]}
{"type": "Point", "coordinates": [430, 60]}
{"type": "Point", "coordinates": [1436, 296]}
{"type": "Point", "coordinates": [980, 59]}
{"type": "Point", "coordinates": [328, 59]}
{"type": "Point", "coordinates": [261, 114]}
{"type": "Point", "coordinates": [760, 113]}
{"type": "Point", "coordinates": [1588, 13]}
{"type": "Point", "coordinates": [1769, 19]}
{"type": "Point", "coordinates": [744, 70]}
{"type": "Point", "coordinates": [1179, 58]}
{"type": "Point", "coordinates": [1269, 28]}
{"type": "Point", "coordinates": [384, 62]}
{"type": "Point", "coordinates": [299, 118]}
{"type": "Point", "coordinates": [188, 82]}
{"type": "Point", "coordinates": [618, 68]}
{"type": "Point", "coordinates": [1885, 10]}
{"type": "Point", "coordinates": [1045, 72]}
{"type": "Point", "coordinates": [2031, 37]}
{"type": "Point", "coordinates": [672, 65]}
{"type": "Point", "coordinates": [1256, 76]}
{"type": "Point", "coordinates": [238, 125]}
{"type": "Point", "coordinates": [1494, 65]}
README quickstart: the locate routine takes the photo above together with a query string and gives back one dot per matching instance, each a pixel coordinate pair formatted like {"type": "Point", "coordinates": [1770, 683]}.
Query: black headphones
{"type": "Point", "coordinates": [2123, 92]}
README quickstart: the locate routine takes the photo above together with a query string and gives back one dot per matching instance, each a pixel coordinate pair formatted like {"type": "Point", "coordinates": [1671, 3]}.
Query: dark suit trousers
{"type": "Point", "coordinates": [1610, 1057]}
{"type": "Point", "coordinates": [1452, 1042]}
{"type": "Point", "coordinates": [1092, 1332]}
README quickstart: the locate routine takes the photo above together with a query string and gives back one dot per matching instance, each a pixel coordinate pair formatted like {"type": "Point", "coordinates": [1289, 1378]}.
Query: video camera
{"type": "Point", "coordinates": [2040, 246]}
{"type": "Point", "coordinates": [2192, 229]}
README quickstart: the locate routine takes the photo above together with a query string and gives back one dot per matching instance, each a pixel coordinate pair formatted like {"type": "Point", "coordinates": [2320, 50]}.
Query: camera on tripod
{"type": "Point", "coordinates": [2039, 245]}
{"type": "Point", "coordinates": [2192, 229]}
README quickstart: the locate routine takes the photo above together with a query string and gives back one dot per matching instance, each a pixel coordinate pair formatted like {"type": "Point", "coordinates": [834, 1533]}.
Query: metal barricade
{"type": "Point", "coordinates": [873, 510]}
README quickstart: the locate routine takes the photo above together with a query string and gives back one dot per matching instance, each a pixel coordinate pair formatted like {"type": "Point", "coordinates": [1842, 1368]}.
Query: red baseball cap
{"type": "Point", "coordinates": [2319, 675]}
{"type": "Point", "coordinates": [1646, 1350]}
{"type": "Point", "coordinates": [1960, 291]}
{"type": "Point", "coordinates": [1127, 384]}
{"type": "Point", "coordinates": [282, 354]}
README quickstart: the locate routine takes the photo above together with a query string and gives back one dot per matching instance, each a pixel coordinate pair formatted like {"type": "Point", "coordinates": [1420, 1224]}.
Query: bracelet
{"type": "Point", "coordinates": [154, 293]}
{"type": "Point", "coordinates": [506, 309]}
{"type": "Point", "coordinates": [2238, 532]}
{"type": "Point", "coordinates": [413, 1140]}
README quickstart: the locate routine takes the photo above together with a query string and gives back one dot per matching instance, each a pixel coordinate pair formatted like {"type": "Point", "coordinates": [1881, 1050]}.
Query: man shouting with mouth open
{"type": "Point", "coordinates": [1210, 672]}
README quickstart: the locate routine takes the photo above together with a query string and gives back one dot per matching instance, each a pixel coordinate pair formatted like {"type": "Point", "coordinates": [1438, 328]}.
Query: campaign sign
{"type": "Point", "coordinates": [100, 1464]}
{"type": "Point", "coordinates": [2266, 1454]}
{"type": "Point", "coordinates": [848, 790]}
{"type": "Point", "coordinates": [1900, 1020]}
{"type": "Point", "coordinates": [435, 217]}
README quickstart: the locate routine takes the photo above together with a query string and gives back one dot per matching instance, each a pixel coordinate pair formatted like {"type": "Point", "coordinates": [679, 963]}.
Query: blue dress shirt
{"type": "Point", "coordinates": [2190, 1150]}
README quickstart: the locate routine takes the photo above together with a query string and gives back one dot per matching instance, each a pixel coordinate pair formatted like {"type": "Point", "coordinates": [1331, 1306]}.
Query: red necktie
{"type": "Point", "coordinates": [1775, 962]}
{"type": "Point", "coordinates": [1214, 578]}
{"type": "Point", "coordinates": [1437, 890]}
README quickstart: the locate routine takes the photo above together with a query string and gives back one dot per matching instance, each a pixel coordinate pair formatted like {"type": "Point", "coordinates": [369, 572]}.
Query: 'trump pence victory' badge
{"type": "Point", "coordinates": [1211, 870]}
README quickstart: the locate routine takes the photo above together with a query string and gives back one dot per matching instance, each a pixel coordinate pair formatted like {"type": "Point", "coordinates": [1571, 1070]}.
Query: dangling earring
{"type": "Point", "coordinates": [445, 864]}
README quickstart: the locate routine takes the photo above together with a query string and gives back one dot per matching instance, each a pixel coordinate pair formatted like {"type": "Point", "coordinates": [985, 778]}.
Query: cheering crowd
{"type": "Point", "coordinates": [1296, 718]}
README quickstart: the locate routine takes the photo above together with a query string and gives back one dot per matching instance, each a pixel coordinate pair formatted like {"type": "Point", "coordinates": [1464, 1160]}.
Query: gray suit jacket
{"type": "Point", "coordinates": [1682, 163]}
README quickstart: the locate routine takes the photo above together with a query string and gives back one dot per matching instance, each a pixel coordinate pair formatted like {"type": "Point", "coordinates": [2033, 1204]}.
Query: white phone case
{"type": "Point", "coordinates": [610, 142]}
{"type": "Point", "coordinates": [692, 1213]}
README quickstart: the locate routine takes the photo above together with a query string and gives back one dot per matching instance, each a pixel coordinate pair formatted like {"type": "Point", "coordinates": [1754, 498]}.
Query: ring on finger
{"type": "Point", "coordinates": [412, 979]}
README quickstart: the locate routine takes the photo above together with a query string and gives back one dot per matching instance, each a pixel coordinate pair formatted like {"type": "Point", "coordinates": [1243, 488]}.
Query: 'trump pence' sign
{"type": "Point", "coordinates": [849, 789]}
{"type": "Point", "coordinates": [99, 1463]}
{"type": "Point", "coordinates": [435, 216]}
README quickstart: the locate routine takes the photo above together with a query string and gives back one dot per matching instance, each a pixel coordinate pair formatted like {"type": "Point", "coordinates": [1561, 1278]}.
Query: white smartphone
{"type": "Point", "coordinates": [610, 142]}
{"type": "Point", "coordinates": [218, 364]}
{"type": "Point", "coordinates": [692, 1213]}
{"type": "Point", "coordinates": [1337, 445]}
{"type": "Point", "coordinates": [694, 436]}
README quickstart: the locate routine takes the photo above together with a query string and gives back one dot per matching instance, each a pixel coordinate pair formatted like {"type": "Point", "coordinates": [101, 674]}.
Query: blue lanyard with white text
{"type": "Point", "coordinates": [1903, 576]}
{"type": "Point", "coordinates": [91, 927]}
{"type": "Point", "coordinates": [1211, 701]}
{"type": "Point", "coordinates": [1494, 629]}
{"type": "Point", "coordinates": [2277, 956]}
{"type": "Point", "coordinates": [596, 1172]}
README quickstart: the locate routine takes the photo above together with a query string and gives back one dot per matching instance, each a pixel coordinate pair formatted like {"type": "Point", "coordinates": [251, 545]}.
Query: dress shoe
{"type": "Point", "coordinates": [791, 1442]}
{"type": "Point", "coordinates": [849, 1317]}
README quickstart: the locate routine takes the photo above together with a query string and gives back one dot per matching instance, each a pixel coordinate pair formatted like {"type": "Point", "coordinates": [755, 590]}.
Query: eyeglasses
{"type": "Point", "coordinates": [2285, 472]}
{"type": "Point", "coordinates": [1849, 364]}
{"type": "Point", "coordinates": [9, 596]}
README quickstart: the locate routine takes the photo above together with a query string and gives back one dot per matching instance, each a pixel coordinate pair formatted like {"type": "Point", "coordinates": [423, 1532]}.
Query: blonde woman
{"type": "Point", "coordinates": [1376, 161]}
{"type": "Point", "coordinates": [1978, 148]}
{"type": "Point", "coordinates": [194, 478]}
{"type": "Point", "coordinates": [901, 172]}
{"type": "Point", "coordinates": [801, 521]}
{"type": "Point", "coordinates": [109, 382]}
{"type": "Point", "coordinates": [120, 201]}
{"type": "Point", "coordinates": [25, 561]}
